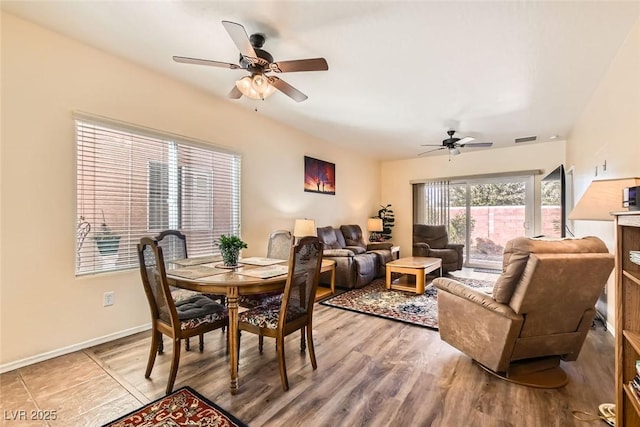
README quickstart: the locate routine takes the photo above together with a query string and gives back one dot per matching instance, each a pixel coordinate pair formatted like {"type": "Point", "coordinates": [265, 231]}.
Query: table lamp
{"type": "Point", "coordinates": [375, 226]}
{"type": "Point", "coordinates": [304, 227]}
{"type": "Point", "coordinates": [601, 198]}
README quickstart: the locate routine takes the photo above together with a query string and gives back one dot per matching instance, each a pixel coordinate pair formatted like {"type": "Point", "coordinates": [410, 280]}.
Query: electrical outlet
{"type": "Point", "coordinates": [108, 299]}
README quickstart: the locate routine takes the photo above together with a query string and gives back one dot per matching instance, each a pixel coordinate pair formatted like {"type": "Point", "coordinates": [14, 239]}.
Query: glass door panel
{"type": "Point", "coordinates": [495, 211]}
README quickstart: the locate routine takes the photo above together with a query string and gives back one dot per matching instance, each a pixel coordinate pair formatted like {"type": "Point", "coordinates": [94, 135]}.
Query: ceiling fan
{"type": "Point", "coordinates": [259, 63]}
{"type": "Point", "coordinates": [452, 144]}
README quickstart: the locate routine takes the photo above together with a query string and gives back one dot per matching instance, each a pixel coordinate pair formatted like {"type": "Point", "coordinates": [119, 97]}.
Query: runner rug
{"type": "Point", "coordinates": [376, 300]}
{"type": "Point", "coordinates": [183, 407]}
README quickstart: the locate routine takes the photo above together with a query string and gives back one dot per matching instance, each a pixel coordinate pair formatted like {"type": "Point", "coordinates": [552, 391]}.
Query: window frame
{"type": "Point", "coordinates": [104, 169]}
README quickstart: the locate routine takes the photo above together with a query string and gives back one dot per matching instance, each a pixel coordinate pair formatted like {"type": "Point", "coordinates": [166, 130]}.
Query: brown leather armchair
{"type": "Point", "coordinates": [433, 241]}
{"type": "Point", "coordinates": [540, 312]}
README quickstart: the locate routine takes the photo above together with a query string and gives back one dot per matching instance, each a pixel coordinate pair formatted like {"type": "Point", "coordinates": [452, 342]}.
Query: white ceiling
{"type": "Point", "coordinates": [400, 73]}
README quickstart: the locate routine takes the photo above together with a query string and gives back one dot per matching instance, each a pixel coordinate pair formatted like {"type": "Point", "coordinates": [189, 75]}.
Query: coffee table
{"type": "Point", "coordinates": [415, 266]}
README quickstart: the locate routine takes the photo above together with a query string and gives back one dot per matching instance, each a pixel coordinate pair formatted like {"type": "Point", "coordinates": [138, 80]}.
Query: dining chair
{"type": "Point", "coordinates": [178, 320]}
{"type": "Point", "coordinates": [174, 247]}
{"type": "Point", "coordinates": [295, 311]}
{"type": "Point", "coordinates": [279, 247]}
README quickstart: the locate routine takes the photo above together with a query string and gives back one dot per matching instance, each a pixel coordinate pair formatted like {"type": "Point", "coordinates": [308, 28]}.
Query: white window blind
{"type": "Point", "coordinates": [132, 182]}
{"type": "Point", "coordinates": [431, 203]}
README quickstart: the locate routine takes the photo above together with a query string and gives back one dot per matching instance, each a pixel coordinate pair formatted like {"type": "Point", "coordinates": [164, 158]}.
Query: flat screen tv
{"type": "Point", "coordinates": [553, 203]}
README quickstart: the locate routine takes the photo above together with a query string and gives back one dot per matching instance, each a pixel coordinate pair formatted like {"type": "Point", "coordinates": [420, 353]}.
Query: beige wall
{"type": "Point", "coordinates": [609, 130]}
{"type": "Point", "coordinates": [44, 309]}
{"type": "Point", "coordinates": [397, 175]}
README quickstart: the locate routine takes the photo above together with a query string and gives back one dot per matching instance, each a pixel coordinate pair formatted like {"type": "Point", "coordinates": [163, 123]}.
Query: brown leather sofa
{"type": "Point", "coordinates": [433, 241]}
{"type": "Point", "coordinates": [357, 263]}
{"type": "Point", "coordinates": [540, 312]}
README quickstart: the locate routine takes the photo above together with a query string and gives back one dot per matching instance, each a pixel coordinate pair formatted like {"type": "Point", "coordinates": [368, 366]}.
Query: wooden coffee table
{"type": "Point", "coordinates": [415, 266]}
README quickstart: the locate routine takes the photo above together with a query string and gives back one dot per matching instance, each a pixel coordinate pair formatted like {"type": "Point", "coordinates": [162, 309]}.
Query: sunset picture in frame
{"type": "Point", "coordinates": [319, 176]}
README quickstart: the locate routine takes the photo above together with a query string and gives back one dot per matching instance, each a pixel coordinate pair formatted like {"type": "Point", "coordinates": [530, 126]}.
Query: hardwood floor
{"type": "Point", "coordinates": [371, 372]}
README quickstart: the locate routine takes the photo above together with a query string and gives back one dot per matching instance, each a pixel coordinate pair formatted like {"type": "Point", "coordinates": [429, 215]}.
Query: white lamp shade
{"type": "Point", "coordinates": [374, 224]}
{"type": "Point", "coordinates": [304, 227]}
{"type": "Point", "coordinates": [601, 198]}
{"type": "Point", "coordinates": [256, 87]}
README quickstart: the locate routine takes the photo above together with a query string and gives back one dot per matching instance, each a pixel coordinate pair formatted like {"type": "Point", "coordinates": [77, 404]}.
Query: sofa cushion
{"type": "Point", "coordinates": [516, 256]}
{"type": "Point", "coordinates": [329, 238]}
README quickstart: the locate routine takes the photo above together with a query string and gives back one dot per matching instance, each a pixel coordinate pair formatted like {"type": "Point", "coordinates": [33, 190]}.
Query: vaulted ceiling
{"type": "Point", "coordinates": [400, 73]}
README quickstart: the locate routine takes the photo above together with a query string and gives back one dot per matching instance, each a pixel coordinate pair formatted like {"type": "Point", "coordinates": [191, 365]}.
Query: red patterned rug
{"type": "Point", "coordinates": [183, 407]}
{"type": "Point", "coordinates": [374, 299]}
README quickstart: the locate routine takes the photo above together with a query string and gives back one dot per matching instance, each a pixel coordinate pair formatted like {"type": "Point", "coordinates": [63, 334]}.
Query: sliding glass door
{"type": "Point", "coordinates": [483, 214]}
{"type": "Point", "coordinates": [495, 211]}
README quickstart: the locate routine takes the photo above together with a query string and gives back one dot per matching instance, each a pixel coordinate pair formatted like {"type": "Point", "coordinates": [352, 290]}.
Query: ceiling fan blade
{"type": "Point", "coordinates": [431, 145]}
{"type": "Point", "coordinates": [197, 61]}
{"type": "Point", "coordinates": [235, 93]}
{"type": "Point", "coordinates": [240, 38]}
{"type": "Point", "coordinates": [287, 89]}
{"type": "Point", "coordinates": [314, 64]}
{"type": "Point", "coordinates": [430, 151]}
{"type": "Point", "coordinates": [477, 144]}
{"type": "Point", "coordinates": [466, 140]}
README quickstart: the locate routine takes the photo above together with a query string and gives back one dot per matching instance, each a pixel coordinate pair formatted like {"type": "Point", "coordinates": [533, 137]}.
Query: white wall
{"type": "Point", "coordinates": [609, 130]}
{"type": "Point", "coordinates": [397, 175]}
{"type": "Point", "coordinates": [45, 309]}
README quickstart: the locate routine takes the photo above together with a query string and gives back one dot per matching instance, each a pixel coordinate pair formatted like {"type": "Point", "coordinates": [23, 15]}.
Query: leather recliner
{"type": "Point", "coordinates": [540, 312]}
{"type": "Point", "coordinates": [433, 241]}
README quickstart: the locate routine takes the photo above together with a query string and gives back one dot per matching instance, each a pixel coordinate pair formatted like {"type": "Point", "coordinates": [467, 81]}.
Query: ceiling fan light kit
{"type": "Point", "coordinates": [255, 87]}
{"type": "Point", "coordinates": [258, 62]}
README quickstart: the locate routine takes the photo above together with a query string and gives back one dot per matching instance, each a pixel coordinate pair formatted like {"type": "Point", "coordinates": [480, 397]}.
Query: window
{"type": "Point", "coordinates": [133, 182]}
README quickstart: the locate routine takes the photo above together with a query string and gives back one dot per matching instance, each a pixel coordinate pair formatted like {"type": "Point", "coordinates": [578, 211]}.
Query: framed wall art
{"type": "Point", "coordinates": [319, 176]}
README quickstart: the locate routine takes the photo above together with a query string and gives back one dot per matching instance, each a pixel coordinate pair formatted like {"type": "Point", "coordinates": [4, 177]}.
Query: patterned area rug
{"type": "Point", "coordinates": [376, 300]}
{"type": "Point", "coordinates": [183, 407]}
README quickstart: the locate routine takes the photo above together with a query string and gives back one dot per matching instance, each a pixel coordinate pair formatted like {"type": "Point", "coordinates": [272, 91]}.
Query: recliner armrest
{"type": "Point", "coordinates": [337, 253]}
{"type": "Point", "coordinates": [379, 245]}
{"type": "Point", "coordinates": [421, 249]}
{"type": "Point", "coordinates": [475, 296]}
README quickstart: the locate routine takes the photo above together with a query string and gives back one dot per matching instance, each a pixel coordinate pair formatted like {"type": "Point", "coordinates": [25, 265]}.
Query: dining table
{"type": "Point", "coordinates": [246, 279]}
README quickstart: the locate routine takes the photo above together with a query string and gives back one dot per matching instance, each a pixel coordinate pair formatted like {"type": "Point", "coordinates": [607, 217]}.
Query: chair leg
{"type": "Point", "coordinates": [187, 345]}
{"type": "Point", "coordinates": [312, 350]}
{"type": "Point", "coordinates": [238, 352]}
{"type": "Point", "coordinates": [152, 352]}
{"type": "Point", "coordinates": [281, 363]}
{"type": "Point", "coordinates": [201, 343]}
{"type": "Point", "coordinates": [174, 365]}
{"type": "Point", "coordinates": [302, 343]}
{"type": "Point", "coordinates": [260, 343]}
{"type": "Point", "coordinates": [161, 345]}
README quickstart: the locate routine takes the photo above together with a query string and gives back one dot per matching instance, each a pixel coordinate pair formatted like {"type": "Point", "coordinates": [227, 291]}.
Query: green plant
{"type": "Point", "coordinates": [106, 240]}
{"type": "Point", "coordinates": [388, 220]}
{"type": "Point", "coordinates": [230, 247]}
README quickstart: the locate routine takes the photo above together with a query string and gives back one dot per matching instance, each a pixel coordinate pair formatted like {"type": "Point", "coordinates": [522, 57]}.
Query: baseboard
{"type": "Point", "coordinates": [70, 349]}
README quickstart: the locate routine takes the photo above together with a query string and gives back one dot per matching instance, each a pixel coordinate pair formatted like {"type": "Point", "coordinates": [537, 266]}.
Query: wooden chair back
{"type": "Point", "coordinates": [302, 281]}
{"type": "Point", "coordinates": [154, 281]}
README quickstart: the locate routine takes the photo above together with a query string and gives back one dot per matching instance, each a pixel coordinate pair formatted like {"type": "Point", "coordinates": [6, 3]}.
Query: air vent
{"type": "Point", "coordinates": [526, 139]}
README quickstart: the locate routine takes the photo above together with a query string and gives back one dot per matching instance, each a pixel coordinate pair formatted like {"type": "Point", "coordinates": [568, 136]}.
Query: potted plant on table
{"type": "Point", "coordinates": [230, 247]}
